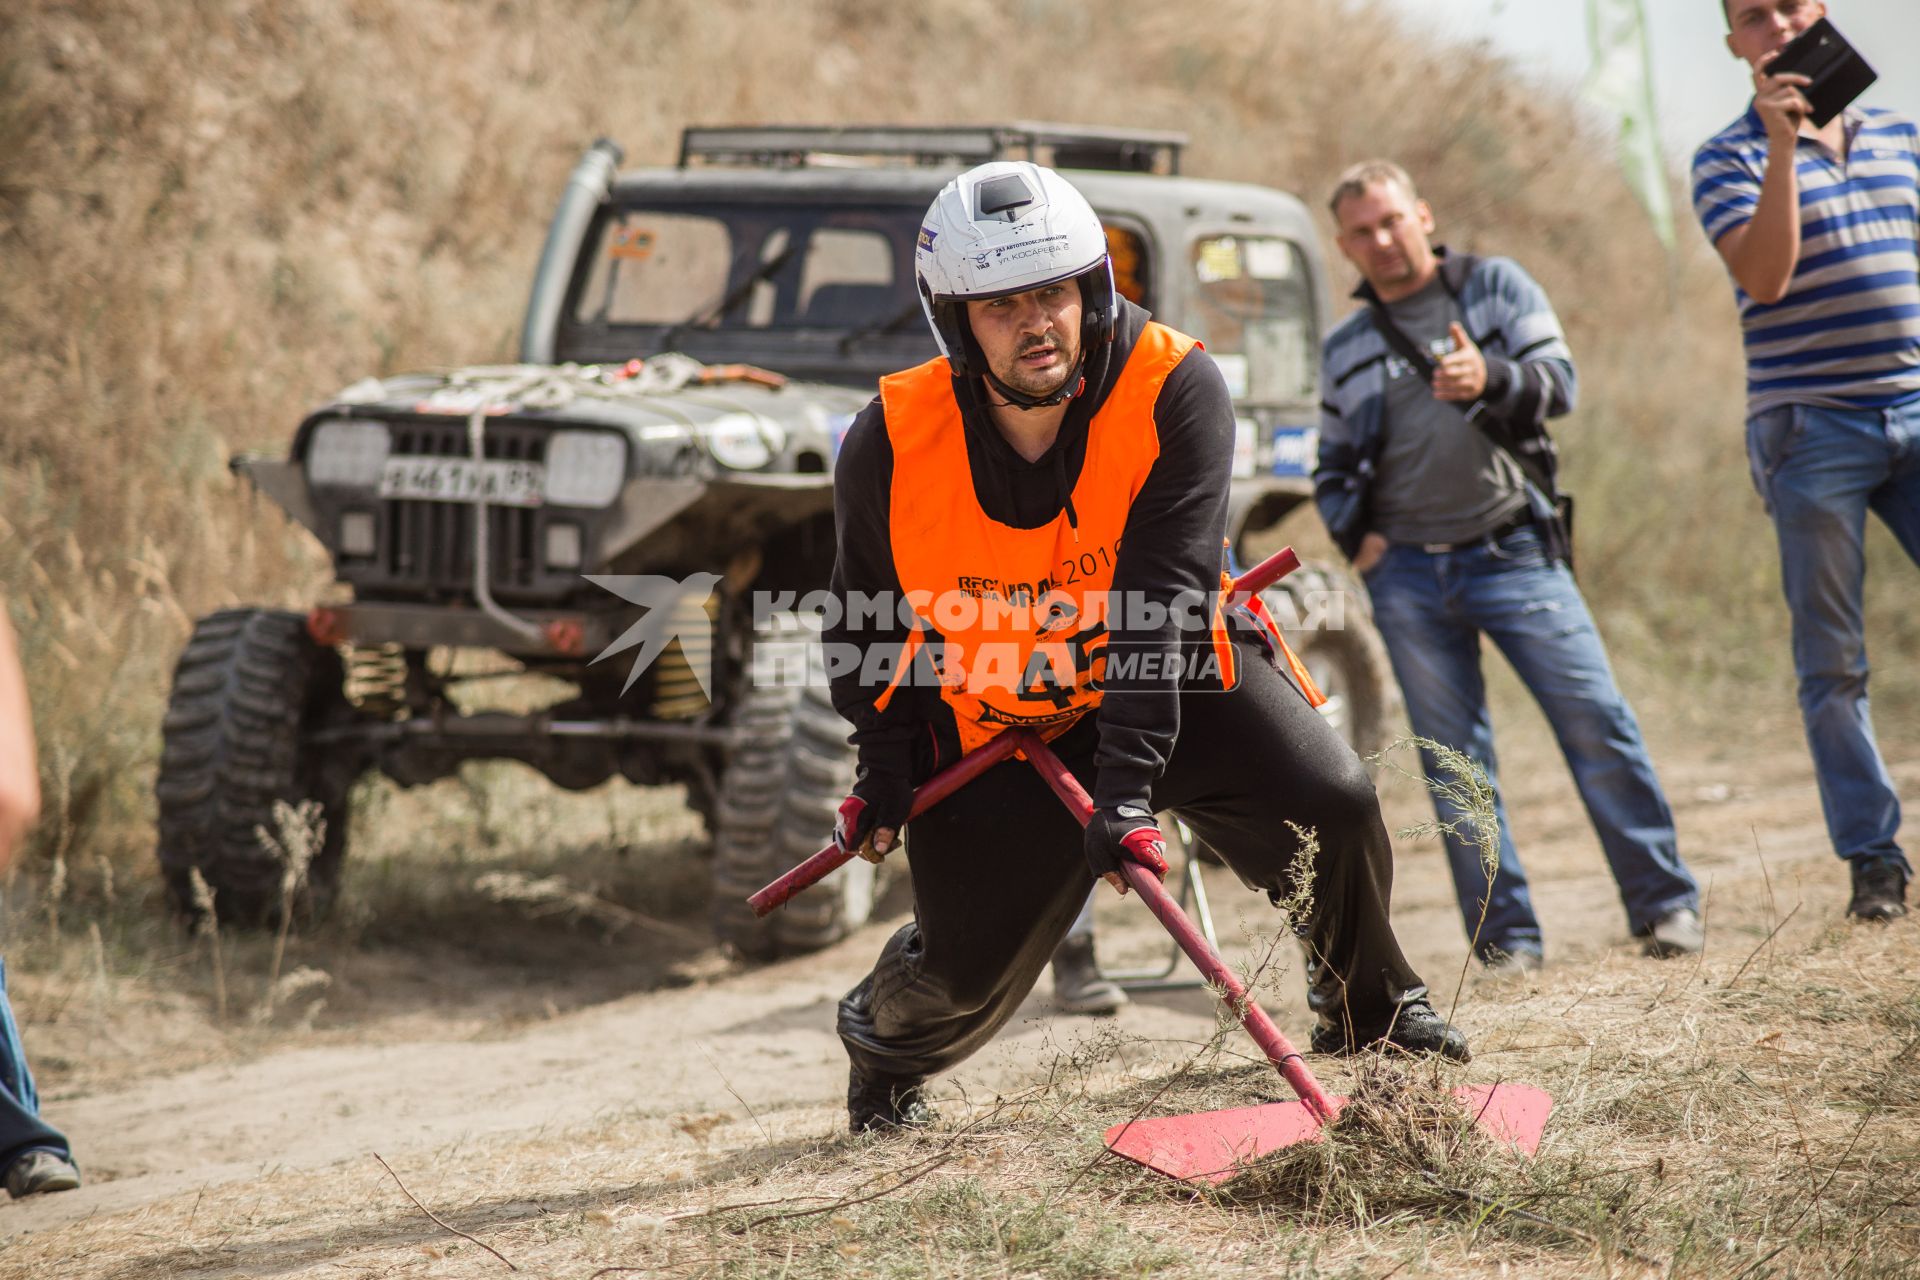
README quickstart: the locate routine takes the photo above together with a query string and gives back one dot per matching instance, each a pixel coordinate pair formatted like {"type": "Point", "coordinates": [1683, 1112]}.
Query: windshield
{"type": "Point", "coordinates": [752, 267]}
{"type": "Point", "coordinates": [1253, 307]}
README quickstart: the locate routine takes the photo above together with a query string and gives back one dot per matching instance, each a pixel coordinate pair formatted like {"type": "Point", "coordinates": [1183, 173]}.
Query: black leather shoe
{"type": "Point", "coordinates": [875, 1103]}
{"type": "Point", "coordinates": [1416, 1028]}
{"type": "Point", "coordinates": [1879, 891]}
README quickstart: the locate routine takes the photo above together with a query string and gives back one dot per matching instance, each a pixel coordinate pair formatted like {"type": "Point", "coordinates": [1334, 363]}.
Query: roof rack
{"type": "Point", "coordinates": [1065, 146]}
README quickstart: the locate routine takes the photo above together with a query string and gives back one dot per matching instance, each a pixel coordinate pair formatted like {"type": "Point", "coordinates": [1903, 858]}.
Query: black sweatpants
{"type": "Point", "coordinates": [998, 875]}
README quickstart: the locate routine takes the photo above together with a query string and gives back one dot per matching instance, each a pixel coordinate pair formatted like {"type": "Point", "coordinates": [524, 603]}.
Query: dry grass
{"type": "Point", "coordinates": [1722, 1120]}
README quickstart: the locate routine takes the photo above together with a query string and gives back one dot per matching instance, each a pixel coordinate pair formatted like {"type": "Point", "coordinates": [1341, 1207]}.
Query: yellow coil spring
{"type": "Point", "coordinates": [376, 680]}
{"type": "Point", "coordinates": [676, 690]}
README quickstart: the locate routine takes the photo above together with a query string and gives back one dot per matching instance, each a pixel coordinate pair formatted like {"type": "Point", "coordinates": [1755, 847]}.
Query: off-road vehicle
{"type": "Point", "coordinates": [697, 341]}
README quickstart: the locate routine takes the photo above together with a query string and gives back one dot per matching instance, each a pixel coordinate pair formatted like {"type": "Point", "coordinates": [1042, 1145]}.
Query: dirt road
{"type": "Point", "coordinates": [756, 1045]}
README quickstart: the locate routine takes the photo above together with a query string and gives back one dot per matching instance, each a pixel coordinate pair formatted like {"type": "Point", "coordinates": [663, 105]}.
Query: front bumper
{"type": "Point", "coordinates": [564, 633]}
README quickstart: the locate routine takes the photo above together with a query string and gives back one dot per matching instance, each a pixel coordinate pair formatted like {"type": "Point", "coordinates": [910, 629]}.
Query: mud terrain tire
{"type": "Point", "coordinates": [248, 685]}
{"type": "Point", "coordinates": [778, 796]}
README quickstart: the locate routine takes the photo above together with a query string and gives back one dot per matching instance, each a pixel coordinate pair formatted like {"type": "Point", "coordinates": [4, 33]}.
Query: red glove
{"type": "Point", "coordinates": [881, 800]}
{"type": "Point", "coordinates": [1129, 832]}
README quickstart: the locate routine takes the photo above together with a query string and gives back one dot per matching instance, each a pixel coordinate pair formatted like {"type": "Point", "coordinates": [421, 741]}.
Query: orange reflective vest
{"type": "Point", "coordinates": [1023, 612]}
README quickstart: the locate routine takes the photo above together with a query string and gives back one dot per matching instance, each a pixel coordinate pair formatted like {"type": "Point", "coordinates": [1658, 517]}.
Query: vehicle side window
{"type": "Point", "coordinates": [651, 266]}
{"type": "Point", "coordinates": [1253, 307]}
{"type": "Point", "coordinates": [1132, 274]}
{"type": "Point", "coordinates": [846, 279]}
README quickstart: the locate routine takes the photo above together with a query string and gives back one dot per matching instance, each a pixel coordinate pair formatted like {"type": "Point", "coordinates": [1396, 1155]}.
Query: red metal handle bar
{"type": "Point", "coordinates": [1261, 1027]}
{"type": "Point", "coordinates": [1263, 575]}
{"type": "Point", "coordinates": [931, 792]}
{"type": "Point", "coordinates": [976, 762]}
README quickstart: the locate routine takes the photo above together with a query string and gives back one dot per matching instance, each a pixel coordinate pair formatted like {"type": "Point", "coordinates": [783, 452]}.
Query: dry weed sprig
{"type": "Point", "coordinates": [301, 981]}
{"type": "Point", "coordinates": [1462, 787]}
{"type": "Point", "coordinates": [97, 952]}
{"type": "Point", "coordinates": [56, 890]}
{"type": "Point", "coordinates": [300, 833]}
{"type": "Point", "coordinates": [1297, 906]}
{"type": "Point", "coordinates": [747, 1106]}
{"type": "Point", "coordinates": [207, 923]}
{"type": "Point", "coordinates": [436, 1219]}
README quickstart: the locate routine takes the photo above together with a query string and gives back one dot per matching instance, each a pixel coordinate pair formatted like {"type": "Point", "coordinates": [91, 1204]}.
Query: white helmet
{"type": "Point", "coordinates": [1002, 228]}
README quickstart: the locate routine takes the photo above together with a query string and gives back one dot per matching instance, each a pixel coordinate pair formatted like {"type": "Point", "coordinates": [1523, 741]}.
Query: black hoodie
{"type": "Point", "coordinates": [1171, 544]}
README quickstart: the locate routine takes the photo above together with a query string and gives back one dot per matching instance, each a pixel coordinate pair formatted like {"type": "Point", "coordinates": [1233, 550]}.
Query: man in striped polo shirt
{"type": "Point", "coordinates": [1447, 530]}
{"type": "Point", "coordinates": [1818, 229]}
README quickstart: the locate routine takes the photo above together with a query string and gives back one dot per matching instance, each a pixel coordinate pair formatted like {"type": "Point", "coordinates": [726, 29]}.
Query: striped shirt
{"type": "Point", "coordinates": [1847, 333]}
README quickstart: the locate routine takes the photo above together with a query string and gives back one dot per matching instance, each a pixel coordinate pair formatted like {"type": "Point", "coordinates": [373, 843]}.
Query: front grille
{"type": "Point", "coordinates": [429, 546]}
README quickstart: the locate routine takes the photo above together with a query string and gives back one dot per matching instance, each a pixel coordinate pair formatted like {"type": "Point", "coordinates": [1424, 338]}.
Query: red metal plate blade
{"type": "Point", "coordinates": [1514, 1113]}
{"type": "Point", "coordinates": [1208, 1146]}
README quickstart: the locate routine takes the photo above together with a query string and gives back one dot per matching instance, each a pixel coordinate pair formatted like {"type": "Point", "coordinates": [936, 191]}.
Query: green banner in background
{"type": "Point", "coordinates": [1621, 84]}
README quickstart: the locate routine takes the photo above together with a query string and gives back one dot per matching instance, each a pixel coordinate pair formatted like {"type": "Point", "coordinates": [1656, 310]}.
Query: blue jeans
{"type": "Point", "coordinates": [1820, 471]}
{"type": "Point", "coordinates": [21, 1128]}
{"type": "Point", "coordinates": [1431, 608]}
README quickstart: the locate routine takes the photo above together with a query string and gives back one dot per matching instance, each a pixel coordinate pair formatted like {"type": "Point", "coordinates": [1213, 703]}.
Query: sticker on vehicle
{"type": "Point", "coordinates": [1218, 259]}
{"type": "Point", "coordinates": [630, 242]}
{"type": "Point", "coordinates": [1296, 450]}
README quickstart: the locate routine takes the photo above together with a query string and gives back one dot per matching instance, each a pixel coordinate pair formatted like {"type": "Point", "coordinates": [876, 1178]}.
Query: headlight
{"type": "Point", "coordinates": [346, 451]}
{"type": "Point", "coordinates": [585, 468]}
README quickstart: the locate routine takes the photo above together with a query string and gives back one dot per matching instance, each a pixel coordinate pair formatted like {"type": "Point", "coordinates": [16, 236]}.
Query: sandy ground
{"type": "Point", "coordinates": [699, 1038]}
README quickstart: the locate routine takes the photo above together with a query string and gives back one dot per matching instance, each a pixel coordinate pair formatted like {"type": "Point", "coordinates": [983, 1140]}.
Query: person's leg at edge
{"type": "Point", "coordinates": [998, 876]}
{"type": "Point", "coordinates": [1436, 659]}
{"type": "Point", "coordinates": [1880, 889]}
{"type": "Point", "coordinates": [1819, 493]}
{"type": "Point", "coordinates": [1897, 500]}
{"type": "Point", "coordinates": [1534, 612]}
{"type": "Point", "coordinates": [1078, 985]}
{"type": "Point", "coordinates": [1247, 765]}
{"type": "Point", "coordinates": [23, 1134]}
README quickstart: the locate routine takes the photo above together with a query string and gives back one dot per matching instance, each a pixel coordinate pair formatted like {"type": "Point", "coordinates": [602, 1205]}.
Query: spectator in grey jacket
{"type": "Point", "coordinates": [1451, 538]}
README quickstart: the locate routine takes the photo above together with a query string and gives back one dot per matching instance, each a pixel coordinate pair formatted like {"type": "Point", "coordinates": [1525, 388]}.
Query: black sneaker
{"type": "Point", "coordinates": [1078, 984]}
{"type": "Point", "coordinates": [1879, 891]}
{"type": "Point", "coordinates": [875, 1103]}
{"type": "Point", "coordinates": [1415, 1028]}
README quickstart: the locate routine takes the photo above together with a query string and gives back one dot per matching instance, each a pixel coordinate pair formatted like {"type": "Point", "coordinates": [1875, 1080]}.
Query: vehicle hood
{"type": "Point", "coordinates": [683, 418]}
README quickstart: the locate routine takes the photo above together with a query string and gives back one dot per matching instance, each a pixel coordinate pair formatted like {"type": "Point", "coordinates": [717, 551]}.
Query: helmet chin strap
{"type": "Point", "coordinates": [1070, 386]}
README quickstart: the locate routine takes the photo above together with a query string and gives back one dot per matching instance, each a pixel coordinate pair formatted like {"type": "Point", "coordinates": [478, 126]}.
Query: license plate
{"type": "Point", "coordinates": [507, 484]}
